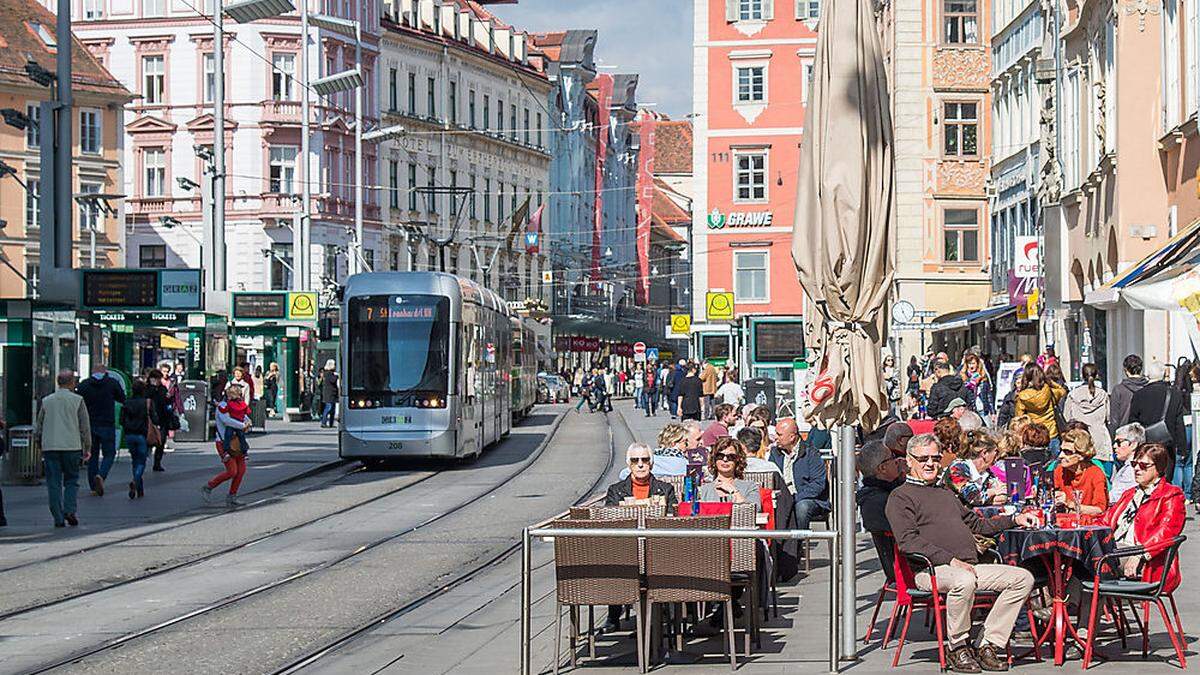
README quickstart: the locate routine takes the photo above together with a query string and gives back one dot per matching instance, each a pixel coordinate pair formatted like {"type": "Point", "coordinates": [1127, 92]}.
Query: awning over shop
{"type": "Point", "coordinates": [951, 322]}
{"type": "Point", "coordinates": [1151, 283]}
{"type": "Point", "coordinates": [171, 342]}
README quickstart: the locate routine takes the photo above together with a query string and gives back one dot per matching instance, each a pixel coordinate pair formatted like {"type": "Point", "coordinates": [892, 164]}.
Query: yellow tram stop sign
{"type": "Point", "coordinates": [302, 306]}
{"type": "Point", "coordinates": [681, 324]}
{"type": "Point", "coordinates": [719, 306]}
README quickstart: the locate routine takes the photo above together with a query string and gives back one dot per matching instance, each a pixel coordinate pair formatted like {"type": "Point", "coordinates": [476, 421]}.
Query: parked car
{"type": "Point", "coordinates": [557, 389]}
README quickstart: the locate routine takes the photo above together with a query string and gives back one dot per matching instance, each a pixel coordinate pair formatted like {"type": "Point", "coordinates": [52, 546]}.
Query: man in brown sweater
{"type": "Point", "coordinates": [931, 521]}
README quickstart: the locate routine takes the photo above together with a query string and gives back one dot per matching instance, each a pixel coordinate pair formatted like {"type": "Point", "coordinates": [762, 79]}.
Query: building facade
{"type": "Point", "coordinates": [473, 101]}
{"type": "Point", "coordinates": [97, 121]}
{"type": "Point", "coordinates": [163, 52]}
{"type": "Point", "coordinates": [939, 60]}
{"type": "Point", "coordinates": [751, 67]}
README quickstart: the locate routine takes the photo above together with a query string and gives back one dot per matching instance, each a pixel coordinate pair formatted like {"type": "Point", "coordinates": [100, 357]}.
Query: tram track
{"type": "Point", "coordinates": [263, 588]}
{"type": "Point", "coordinates": [351, 636]}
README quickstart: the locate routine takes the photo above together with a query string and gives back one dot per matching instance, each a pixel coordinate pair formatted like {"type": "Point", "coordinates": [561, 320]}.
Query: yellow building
{"type": "Point", "coordinates": [27, 33]}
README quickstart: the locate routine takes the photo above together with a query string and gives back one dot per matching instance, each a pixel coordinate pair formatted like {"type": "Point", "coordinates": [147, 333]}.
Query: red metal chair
{"type": "Point", "coordinates": [884, 549]}
{"type": "Point", "coordinates": [1145, 592]}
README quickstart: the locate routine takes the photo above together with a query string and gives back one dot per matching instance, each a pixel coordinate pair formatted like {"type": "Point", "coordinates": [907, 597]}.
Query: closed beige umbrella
{"type": "Point", "coordinates": [841, 240]}
{"type": "Point", "coordinates": [841, 244]}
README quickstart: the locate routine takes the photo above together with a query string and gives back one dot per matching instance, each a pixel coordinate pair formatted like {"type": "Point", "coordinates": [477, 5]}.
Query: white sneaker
{"type": "Point", "coordinates": [231, 501]}
{"type": "Point", "coordinates": [206, 492]}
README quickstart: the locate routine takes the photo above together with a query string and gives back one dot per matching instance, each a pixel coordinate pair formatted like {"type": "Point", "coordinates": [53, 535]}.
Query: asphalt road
{"type": "Point", "coordinates": [270, 583]}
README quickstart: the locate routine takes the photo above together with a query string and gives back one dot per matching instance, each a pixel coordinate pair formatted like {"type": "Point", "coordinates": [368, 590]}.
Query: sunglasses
{"type": "Point", "coordinates": [639, 460]}
{"type": "Point", "coordinates": [926, 459]}
{"type": "Point", "coordinates": [1143, 466]}
{"type": "Point", "coordinates": [728, 456]}
{"type": "Point", "coordinates": [1067, 450]}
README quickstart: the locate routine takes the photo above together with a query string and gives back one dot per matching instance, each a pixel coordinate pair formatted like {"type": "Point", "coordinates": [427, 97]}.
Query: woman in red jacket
{"type": "Point", "coordinates": [1150, 515]}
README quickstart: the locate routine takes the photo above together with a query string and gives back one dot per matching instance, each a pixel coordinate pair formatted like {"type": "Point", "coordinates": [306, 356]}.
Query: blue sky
{"type": "Point", "coordinates": [652, 38]}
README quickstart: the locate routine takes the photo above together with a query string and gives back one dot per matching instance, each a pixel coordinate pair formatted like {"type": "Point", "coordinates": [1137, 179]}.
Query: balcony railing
{"type": "Point", "coordinates": [285, 112]}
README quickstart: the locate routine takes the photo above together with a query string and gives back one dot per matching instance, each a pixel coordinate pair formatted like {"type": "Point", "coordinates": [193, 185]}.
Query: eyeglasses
{"type": "Point", "coordinates": [728, 456]}
{"type": "Point", "coordinates": [639, 460]}
{"type": "Point", "coordinates": [1068, 450]}
{"type": "Point", "coordinates": [1141, 465]}
{"type": "Point", "coordinates": [927, 459]}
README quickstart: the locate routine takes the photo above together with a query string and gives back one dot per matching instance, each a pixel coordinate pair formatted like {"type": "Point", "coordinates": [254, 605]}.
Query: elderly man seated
{"type": "Point", "coordinates": [930, 520]}
{"type": "Point", "coordinates": [640, 483]}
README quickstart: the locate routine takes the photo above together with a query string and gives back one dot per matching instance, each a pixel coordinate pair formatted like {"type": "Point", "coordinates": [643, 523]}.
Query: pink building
{"type": "Point", "coordinates": [752, 61]}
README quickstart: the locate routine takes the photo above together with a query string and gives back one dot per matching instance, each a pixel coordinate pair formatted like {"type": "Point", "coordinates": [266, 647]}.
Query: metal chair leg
{"type": "Point", "coordinates": [557, 636]}
{"type": "Point", "coordinates": [592, 632]}
{"type": "Point", "coordinates": [875, 614]}
{"type": "Point", "coordinates": [729, 634]}
{"type": "Point", "coordinates": [574, 636]}
{"type": "Point", "coordinates": [903, 635]}
{"type": "Point", "coordinates": [640, 628]}
{"type": "Point", "coordinates": [887, 634]}
{"type": "Point", "coordinates": [1176, 640]}
{"type": "Point", "coordinates": [1175, 610]}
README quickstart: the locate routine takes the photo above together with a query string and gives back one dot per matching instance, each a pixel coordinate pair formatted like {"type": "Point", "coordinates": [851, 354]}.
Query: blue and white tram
{"type": "Point", "coordinates": [427, 360]}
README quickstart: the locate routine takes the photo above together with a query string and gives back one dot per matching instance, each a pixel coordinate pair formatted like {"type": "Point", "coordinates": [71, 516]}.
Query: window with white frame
{"type": "Point", "coordinates": [32, 273]}
{"type": "Point", "coordinates": [93, 10]}
{"type": "Point", "coordinates": [152, 256]}
{"type": "Point", "coordinates": [154, 7]}
{"type": "Point", "coordinates": [960, 21]}
{"type": "Point", "coordinates": [751, 84]}
{"type": "Point", "coordinates": [412, 94]}
{"type": "Point", "coordinates": [750, 176]}
{"type": "Point", "coordinates": [431, 99]}
{"type": "Point", "coordinates": [89, 210]}
{"type": "Point", "coordinates": [210, 77]}
{"type": "Point", "coordinates": [471, 108]}
{"type": "Point", "coordinates": [961, 234]}
{"type": "Point", "coordinates": [32, 193]}
{"type": "Point", "coordinates": [154, 82]}
{"type": "Point", "coordinates": [1170, 59]}
{"type": "Point", "coordinates": [752, 10]}
{"type": "Point", "coordinates": [393, 184]}
{"type": "Point", "coordinates": [90, 120]}
{"type": "Point", "coordinates": [474, 212]}
{"type": "Point", "coordinates": [412, 187]}
{"type": "Point", "coordinates": [1071, 175]}
{"type": "Point", "coordinates": [750, 272]}
{"type": "Point", "coordinates": [808, 10]}
{"type": "Point", "coordinates": [283, 169]}
{"type": "Point", "coordinates": [283, 76]}
{"type": "Point", "coordinates": [281, 267]}
{"type": "Point", "coordinates": [960, 123]}
{"type": "Point", "coordinates": [393, 90]}
{"type": "Point", "coordinates": [33, 137]}
{"type": "Point", "coordinates": [154, 172]}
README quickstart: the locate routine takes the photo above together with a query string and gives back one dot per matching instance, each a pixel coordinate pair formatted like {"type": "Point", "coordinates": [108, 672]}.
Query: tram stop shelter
{"type": "Point", "coordinates": [281, 327]}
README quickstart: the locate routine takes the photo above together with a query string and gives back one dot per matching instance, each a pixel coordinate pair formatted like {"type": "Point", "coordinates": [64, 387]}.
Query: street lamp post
{"type": "Point", "coordinates": [218, 235]}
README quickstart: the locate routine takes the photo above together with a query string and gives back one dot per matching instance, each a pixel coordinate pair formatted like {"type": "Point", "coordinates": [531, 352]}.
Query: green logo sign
{"type": "Point", "coordinates": [716, 219]}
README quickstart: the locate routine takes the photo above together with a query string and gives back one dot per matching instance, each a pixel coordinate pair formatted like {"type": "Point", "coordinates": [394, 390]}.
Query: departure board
{"type": "Point", "coordinates": [259, 305]}
{"type": "Point", "coordinates": [126, 288]}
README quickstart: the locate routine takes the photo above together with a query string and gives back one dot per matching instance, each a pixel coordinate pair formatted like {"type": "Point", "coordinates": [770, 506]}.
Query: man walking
{"type": "Point", "coordinates": [708, 377]}
{"type": "Point", "coordinates": [690, 393]}
{"type": "Point", "coordinates": [101, 394]}
{"type": "Point", "coordinates": [65, 436]}
{"type": "Point", "coordinates": [1121, 396]}
{"type": "Point", "coordinates": [929, 520]}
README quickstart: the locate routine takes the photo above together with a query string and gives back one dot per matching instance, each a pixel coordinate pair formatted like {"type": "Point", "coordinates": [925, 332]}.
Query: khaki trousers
{"type": "Point", "coordinates": [1012, 583]}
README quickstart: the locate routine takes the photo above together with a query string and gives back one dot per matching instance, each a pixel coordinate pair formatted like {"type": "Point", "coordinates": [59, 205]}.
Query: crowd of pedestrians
{"type": "Point", "coordinates": [1119, 458]}
{"type": "Point", "coordinates": [685, 389]}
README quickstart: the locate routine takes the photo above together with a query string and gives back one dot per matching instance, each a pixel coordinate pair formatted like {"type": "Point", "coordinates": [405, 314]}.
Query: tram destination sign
{"type": "Point", "coordinates": [260, 305]}
{"type": "Point", "coordinates": [132, 289]}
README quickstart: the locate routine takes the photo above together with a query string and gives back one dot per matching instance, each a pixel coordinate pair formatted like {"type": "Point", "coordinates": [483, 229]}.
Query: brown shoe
{"type": "Point", "coordinates": [989, 660]}
{"type": "Point", "coordinates": [961, 660]}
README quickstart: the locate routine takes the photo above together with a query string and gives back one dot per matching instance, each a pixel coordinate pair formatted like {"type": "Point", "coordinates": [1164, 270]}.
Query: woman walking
{"type": "Point", "coordinates": [233, 421]}
{"type": "Point", "coordinates": [1088, 403]}
{"type": "Point", "coordinates": [271, 387]}
{"type": "Point", "coordinates": [1039, 398]}
{"type": "Point", "coordinates": [157, 393]}
{"type": "Point", "coordinates": [329, 394]}
{"type": "Point", "coordinates": [138, 417]}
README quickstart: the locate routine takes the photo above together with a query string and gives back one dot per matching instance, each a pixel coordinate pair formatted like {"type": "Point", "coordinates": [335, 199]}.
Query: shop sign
{"type": "Point", "coordinates": [681, 324]}
{"type": "Point", "coordinates": [719, 306]}
{"type": "Point", "coordinates": [720, 221]}
{"type": "Point", "coordinates": [584, 344]}
{"type": "Point", "coordinates": [180, 289]}
{"type": "Point", "coordinates": [1027, 257]}
{"type": "Point", "coordinates": [623, 349]}
{"type": "Point", "coordinates": [302, 306]}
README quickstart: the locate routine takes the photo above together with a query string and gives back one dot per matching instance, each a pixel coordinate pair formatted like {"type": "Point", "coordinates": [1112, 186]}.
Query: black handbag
{"type": "Point", "coordinates": [1159, 432]}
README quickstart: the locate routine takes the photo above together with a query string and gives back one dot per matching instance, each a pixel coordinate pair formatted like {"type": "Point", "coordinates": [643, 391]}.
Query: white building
{"type": "Point", "coordinates": [162, 50]}
{"type": "Point", "coordinates": [474, 102]}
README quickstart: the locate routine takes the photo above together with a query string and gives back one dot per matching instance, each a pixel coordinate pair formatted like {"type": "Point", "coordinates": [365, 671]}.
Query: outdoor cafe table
{"type": "Point", "coordinates": [1059, 549]}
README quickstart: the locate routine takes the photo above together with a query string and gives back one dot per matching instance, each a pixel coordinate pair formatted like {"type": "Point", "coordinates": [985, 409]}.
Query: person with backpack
{"type": "Point", "coordinates": [1039, 398]}
{"type": "Point", "coordinates": [650, 392]}
{"type": "Point", "coordinates": [139, 422]}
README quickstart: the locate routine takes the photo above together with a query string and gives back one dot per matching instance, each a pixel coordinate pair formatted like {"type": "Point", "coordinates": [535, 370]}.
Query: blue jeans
{"type": "Point", "coordinates": [104, 453]}
{"type": "Point", "coordinates": [62, 481]}
{"type": "Point", "coordinates": [1183, 475]}
{"type": "Point", "coordinates": [650, 401]}
{"type": "Point", "coordinates": [637, 397]}
{"type": "Point", "coordinates": [808, 510]}
{"type": "Point", "coordinates": [138, 451]}
{"type": "Point", "coordinates": [327, 414]}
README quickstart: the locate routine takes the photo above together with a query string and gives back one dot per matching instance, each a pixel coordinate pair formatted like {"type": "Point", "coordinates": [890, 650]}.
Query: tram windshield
{"type": "Point", "coordinates": [399, 344]}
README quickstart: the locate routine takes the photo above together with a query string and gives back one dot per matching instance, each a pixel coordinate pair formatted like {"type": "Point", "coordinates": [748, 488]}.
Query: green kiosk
{"type": "Point", "coordinates": [280, 327]}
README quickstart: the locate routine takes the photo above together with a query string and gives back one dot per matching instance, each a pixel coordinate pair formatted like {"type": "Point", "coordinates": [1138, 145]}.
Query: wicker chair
{"type": "Point", "coordinates": [595, 571]}
{"type": "Point", "coordinates": [765, 479]}
{"type": "Point", "coordinates": [677, 483]}
{"type": "Point", "coordinates": [744, 566]}
{"type": "Point", "coordinates": [683, 570]}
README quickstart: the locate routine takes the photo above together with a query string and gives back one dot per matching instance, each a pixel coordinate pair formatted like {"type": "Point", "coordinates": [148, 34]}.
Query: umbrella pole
{"type": "Point", "coordinates": [847, 530]}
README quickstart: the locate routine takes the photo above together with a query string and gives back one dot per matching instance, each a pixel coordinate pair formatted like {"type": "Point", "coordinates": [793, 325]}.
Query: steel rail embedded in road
{"type": "Point", "coordinates": [231, 600]}
{"type": "Point", "coordinates": [352, 635]}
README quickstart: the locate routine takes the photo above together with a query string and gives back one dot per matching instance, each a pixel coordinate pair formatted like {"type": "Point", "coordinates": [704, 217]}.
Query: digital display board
{"type": "Point", "coordinates": [126, 288]}
{"type": "Point", "coordinates": [714, 346]}
{"type": "Point", "coordinates": [396, 308]}
{"type": "Point", "coordinates": [260, 305]}
{"type": "Point", "coordinates": [778, 341]}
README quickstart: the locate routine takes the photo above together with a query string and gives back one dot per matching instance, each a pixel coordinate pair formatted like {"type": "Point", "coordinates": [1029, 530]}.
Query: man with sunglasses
{"type": "Point", "coordinates": [1126, 441]}
{"type": "Point", "coordinates": [930, 520]}
{"type": "Point", "coordinates": [641, 483]}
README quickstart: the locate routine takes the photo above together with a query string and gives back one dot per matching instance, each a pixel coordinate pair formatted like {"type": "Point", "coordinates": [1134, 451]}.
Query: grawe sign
{"type": "Point", "coordinates": [719, 221]}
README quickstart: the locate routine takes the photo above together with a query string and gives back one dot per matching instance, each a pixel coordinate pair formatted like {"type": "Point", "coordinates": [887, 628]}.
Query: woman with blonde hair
{"type": "Point", "coordinates": [970, 477]}
{"type": "Point", "coordinates": [1079, 484]}
{"type": "Point", "coordinates": [1010, 444]}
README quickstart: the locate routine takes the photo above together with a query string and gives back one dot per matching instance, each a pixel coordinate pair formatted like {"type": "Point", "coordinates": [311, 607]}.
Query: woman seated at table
{"type": "Point", "coordinates": [1079, 485]}
{"type": "Point", "coordinates": [1035, 444]}
{"type": "Point", "coordinates": [1150, 514]}
{"type": "Point", "coordinates": [727, 466]}
{"type": "Point", "coordinates": [969, 476]}
{"type": "Point", "coordinates": [1009, 446]}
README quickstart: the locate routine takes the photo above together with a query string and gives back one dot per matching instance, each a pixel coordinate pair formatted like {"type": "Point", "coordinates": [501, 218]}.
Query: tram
{"type": "Point", "coordinates": [429, 367]}
{"type": "Point", "coordinates": [524, 367]}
